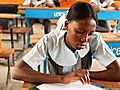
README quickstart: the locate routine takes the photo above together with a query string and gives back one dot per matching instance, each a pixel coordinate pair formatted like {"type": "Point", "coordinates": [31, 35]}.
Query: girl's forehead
{"type": "Point", "coordinates": [84, 22]}
{"type": "Point", "coordinates": [83, 25]}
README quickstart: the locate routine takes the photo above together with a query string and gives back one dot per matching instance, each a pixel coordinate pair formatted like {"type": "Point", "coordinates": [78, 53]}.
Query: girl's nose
{"type": "Point", "coordinates": [84, 38]}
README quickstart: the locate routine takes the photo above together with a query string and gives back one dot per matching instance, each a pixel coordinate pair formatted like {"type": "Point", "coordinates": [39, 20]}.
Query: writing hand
{"type": "Point", "coordinates": [81, 74]}
{"type": "Point", "coordinates": [84, 75]}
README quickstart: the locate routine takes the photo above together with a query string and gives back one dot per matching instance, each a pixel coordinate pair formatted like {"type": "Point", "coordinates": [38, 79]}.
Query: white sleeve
{"type": "Point", "coordinates": [93, 1]}
{"type": "Point", "coordinates": [111, 1]}
{"type": "Point", "coordinates": [38, 54]}
{"type": "Point", "coordinates": [103, 53]}
{"type": "Point", "coordinates": [39, 2]}
{"type": "Point", "coordinates": [61, 22]}
{"type": "Point", "coordinates": [26, 2]}
{"type": "Point", "coordinates": [50, 1]}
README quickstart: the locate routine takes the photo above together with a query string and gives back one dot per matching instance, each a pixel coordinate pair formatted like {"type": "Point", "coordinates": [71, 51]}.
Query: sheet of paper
{"type": "Point", "coordinates": [73, 86]}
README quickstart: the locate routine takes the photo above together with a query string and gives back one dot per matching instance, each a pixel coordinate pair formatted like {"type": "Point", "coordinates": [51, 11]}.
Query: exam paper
{"type": "Point", "coordinates": [73, 86]}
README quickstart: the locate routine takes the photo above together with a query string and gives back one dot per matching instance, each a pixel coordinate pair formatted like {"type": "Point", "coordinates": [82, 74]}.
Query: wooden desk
{"type": "Point", "coordinates": [113, 41]}
{"type": "Point", "coordinates": [111, 37]}
{"type": "Point", "coordinates": [112, 85]}
{"type": "Point", "coordinates": [10, 16]}
{"type": "Point", "coordinates": [3, 15]}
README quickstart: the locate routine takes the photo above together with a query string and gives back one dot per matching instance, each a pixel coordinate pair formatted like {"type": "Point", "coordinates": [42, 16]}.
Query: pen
{"type": "Point", "coordinates": [97, 84]}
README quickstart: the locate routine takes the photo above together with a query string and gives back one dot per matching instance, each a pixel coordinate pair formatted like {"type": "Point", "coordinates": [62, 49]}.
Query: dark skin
{"type": "Point", "coordinates": [112, 73]}
{"type": "Point", "coordinates": [46, 4]}
{"type": "Point", "coordinates": [79, 33]}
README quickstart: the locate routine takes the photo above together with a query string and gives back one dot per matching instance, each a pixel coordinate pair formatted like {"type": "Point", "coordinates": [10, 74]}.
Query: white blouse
{"type": "Point", "coordinates": [54, 45]}
{"type": "Point", "coordinates": [104, 4]}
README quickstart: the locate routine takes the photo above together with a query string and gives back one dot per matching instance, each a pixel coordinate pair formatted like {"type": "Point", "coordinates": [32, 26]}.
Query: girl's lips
{"type": "Point", "coordinates": [83, 44]}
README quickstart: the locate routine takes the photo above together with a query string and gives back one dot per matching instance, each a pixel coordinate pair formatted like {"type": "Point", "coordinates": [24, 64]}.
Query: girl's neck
{"type": "Point", "coordinates": [101, 1]}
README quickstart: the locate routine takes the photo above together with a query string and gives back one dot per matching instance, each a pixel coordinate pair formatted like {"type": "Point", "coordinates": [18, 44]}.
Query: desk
{"type": "Point", "coordinates": [2, 15]}
{"type": "Point", "coordinates": [113, 41]}
{"type": "Point", "coordinates": [112, 85]}
{"type": "Point", "coordinates": [55, 13]}
{"type": "Point", "coordinates": [10, 16]}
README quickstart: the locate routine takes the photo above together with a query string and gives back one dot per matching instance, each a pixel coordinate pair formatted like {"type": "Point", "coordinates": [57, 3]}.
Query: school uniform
{"type": "Point", "coordinates": [104, 4]}
{"type": "Point", "coordinates": [61, 60]}
{"type": "Point", "coordinates": [104, 23]}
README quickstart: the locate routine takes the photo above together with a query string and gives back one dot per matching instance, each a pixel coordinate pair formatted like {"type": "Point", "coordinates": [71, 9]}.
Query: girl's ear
{"type": "Point", "coordinates": [66, 24]}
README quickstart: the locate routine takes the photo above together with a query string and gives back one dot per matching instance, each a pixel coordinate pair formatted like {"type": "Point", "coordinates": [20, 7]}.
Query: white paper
{"type": "Point", "coordinates": [73, 86]}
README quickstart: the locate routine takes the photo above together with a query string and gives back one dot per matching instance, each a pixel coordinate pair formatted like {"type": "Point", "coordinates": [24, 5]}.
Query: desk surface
{"type": "Point", "coordinates": [111, 37]}
{"type": "Point", "coordinates": [4, 15]}
{"type": "Point", "coordinates": [112, 85]}
{"type": "Point", "coordinates": [57, 8]}
{"type": "Point", "coordinates": [35, 8]}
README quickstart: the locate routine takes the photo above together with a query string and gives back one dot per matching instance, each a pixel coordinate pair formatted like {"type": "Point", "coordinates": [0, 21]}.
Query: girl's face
{"type": "Point", "coordinates": [79, 33]}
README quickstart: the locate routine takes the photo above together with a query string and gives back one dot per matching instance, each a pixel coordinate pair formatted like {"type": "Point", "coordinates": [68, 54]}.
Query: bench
{"type": "Point", "coordinates": [6, 53]}
{"type": "Point", "coordinates": [15, 30]}
{"type": "Point", "coordinates": [35, 38]}
{"type": "Point", "coordinates": [19, 30]}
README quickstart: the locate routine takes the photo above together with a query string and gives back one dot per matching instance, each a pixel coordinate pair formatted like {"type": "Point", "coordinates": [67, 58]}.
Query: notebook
{"type": "Point", "coordinates": [72, 86]}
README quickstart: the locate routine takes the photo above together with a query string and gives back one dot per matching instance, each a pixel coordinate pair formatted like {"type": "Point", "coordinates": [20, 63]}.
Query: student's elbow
{"type": "Point", "coordinates": [114, 71]}
{"type": "Point", "coordinates": [117, 74]}
{"type": "Point", "coordinates": [16, 74]}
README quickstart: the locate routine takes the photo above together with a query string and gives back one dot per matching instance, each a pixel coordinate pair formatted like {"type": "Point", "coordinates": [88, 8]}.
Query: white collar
{"type": "Point", "coordinates": [66, 57]}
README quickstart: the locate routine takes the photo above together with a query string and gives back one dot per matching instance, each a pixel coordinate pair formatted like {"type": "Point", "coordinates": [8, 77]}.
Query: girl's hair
{"type": "Point", "coordinates": [80, 11]}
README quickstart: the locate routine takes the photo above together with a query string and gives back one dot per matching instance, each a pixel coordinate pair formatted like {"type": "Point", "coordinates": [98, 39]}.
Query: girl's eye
{"type": "Point", "coordinates": [80, 32]}
{"type": "Point", "coordinates": [90, 34]}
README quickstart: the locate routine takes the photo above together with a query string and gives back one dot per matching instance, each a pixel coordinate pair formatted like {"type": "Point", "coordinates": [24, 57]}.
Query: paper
{"type": "Point", "coordinates": [73, 86]}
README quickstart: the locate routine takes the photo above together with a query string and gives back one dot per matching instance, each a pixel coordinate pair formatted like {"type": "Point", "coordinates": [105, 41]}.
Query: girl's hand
{"type": "Point", "coordinates": [81, 74]}
{"type": "Point", "coordinates": [69, 78]}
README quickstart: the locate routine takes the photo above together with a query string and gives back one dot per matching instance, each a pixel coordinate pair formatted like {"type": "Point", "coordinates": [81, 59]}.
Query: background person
{"type": "Point", "coordinates": [69, 52]}
{"type": "Point", "coordinates": [41, 4]}
{"type": "Point", "coordinates": [104, 5]}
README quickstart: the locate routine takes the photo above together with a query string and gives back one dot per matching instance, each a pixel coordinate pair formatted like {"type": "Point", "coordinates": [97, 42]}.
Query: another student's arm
{"type": "Point", "coordinates": [24, 72]}
{"type": "Point", "coordinates": [112, 73]}
{"type": "Point", "coordinates": [97, 8]}
{"type": "Point", "coordinates": [116, 6]}
{"type": "Point", "coordinates": [48, 4]}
